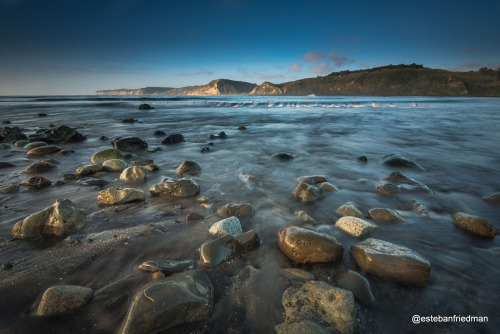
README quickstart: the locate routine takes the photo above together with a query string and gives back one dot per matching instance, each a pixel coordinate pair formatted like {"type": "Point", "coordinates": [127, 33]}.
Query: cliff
{"type": "Point", "coordinates": [267, 88]}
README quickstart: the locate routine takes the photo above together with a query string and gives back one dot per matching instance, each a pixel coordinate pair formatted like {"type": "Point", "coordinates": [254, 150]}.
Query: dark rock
{"type": "Point", "coordinates": [221, 135]}
{"type": "Point", "coordinates": [312, 179]}
{"type": "Point", "coordinates": [493, 198]}
{"type": "Point", "coordinates": [193, 216]}
{"type": "Point", "coordinates": [39, 167]}
{"type": "Point", "coordinates": [357, 284]}
{"type": "Point", "coordinates": [4, 164]}
{"type": "Point", "coordinates": [13, 134]}
{"type": "Point", "coordinates": [145, 106]}
{"type": "Point", "coordinates": [52, 125]}
{"type": "Point", "coordinates": [236, 210]}
{"type": "Point", "coordinates": [9, 189]}
{"type": "Point", "coordinates": [167, 266]}
{"type": "Point", "coordinates": [103, 138]}
{"type": "Point", "coordinates": [282, 156]}
{"type": "Point", "coordinates": [221, 249]}
{"type": "Point", "coordinates": [362, 159]}
{"type": "Point", "coordinates": [173, 139]}
{"type": "Point", "coordinates": [42, 114]}
{"type": "Point", "coordinates": [36, 181]}
{"type": "Point", "coordinates": [128, 144]}
{"type": "Point", "coordinates": [130, 120]}
{"type": "Point", "coordinates": [91, 181]}
{"type": "Point", "coordinates": [66, 152]}
{"type": "Point", "coordinates": [5, 122]}
{"type": "Point", "coordinates": [475, 224]}
{"type": "Point", "coordinates": [205, 149]}
{"type": "Point", "coordinates": [7, 266]}
{"type": "Point", "coordinates": [242, 127]}
{"type": "Point", "coordinates": [65, 134]}
{"type": "Point", "coordinates": [160, 133]}
{"type": "Point", "coordinates": [395, 161]}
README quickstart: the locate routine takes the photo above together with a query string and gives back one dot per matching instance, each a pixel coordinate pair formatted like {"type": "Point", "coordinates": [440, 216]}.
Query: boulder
{"type": "Point", "coordinates": [128, 144]}
{"type": "Point", "coordinates": [114, 165]}
{"type": "Point", "coordinates": [66, 134]}
{"type": "Point", "coordinates": [178, 299]}
{"type": "Point", "coordinates": [135, 174]}
{"type": "Point", "coordinates": [308, 246]}
{"type": "Point", "coordinates": [36, 181]}
{"type": "Point", "coordinates": [388, 260]}
{"type": "Point", "coordinates": [59, 219]}
{"type": "Point", "coordinates": [282, 156]}
{"type": "Point", "coordinates": [355, 227]}
{"type": "Point", "coordinates": [357, 284]}
{"type": "Point", "coordinates": [231, 226]}
{"type": "Point", "coordinates": [317, 300]}
{"type": "Point", "coordinates": [13, 134]}
{"type": "Point", "coordinates": [173, 139]}
{"type": "Point", "coordinates": [475, 224]}
{"type": "Point", "coordinates": [185, 187]}
{"type": "Point", "coordinates": [396, 161]}
{"type": "Point", "coordinates": [188, 167]}
{"type": "Point", "coordinates": [385, 215]}
{"type": "Point", "coordinates": [236, 210]}
{"type": "Point", "coordinates": [214, 252]}
{"type": "Point", "coordinates": [118, 195]}
{"type": "Point", "coordinates": [104, 155]}
{"type": "Point", "coordinates": [493, 198]}
{"type": "Point", "coordinates": [349, 209]}
{"type": "Point", "coordinates": [39, 167]}
{"type": "Point", "coordinates": [88, 170]}
{"type": "Point", "coordinates": [63, 298]}
{"type": "Point", "coordinates": [145, 106]}
{"type": "Point", "coordinates": [307, 193]}
{"type": "Point", "coordinates": [43, 150]}
{"type": "Point", "coordinates": [167, 266]}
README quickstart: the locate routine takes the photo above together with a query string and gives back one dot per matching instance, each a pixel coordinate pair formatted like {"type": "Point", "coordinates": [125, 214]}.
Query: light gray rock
{"type": "Point", "coordinates": [214, 252]}
{"type": "Point", "coordinates": [304, 216]}
{"type": "Point", "coordinates": [355, 227]}
{"type": "Point", "coordinates": [185, 187]}
{"type": "Point", "coordinates": [475, 224]}
{"type": "Point", "coordinates": [188, 167]}
{"type": "Point", "coordinates": [388, 260]}
{"type": "Point", "coordinates": [135, 174]}
{"type": "Point", "coordinates": [307, 193]}
{"type": "Point", "coordinates": [237, 210]}
{"type": "Point", "coordinates": [63, 298]}
{"type": "Point", "coordinates": [349, 209]}
{"type": "Point", "coordinates": [385, 215]}
{"type": "Point", "coordinates": [119, 195]}
{"type": "Point", "coordinates": [104, 155]}
{"type": "Point", "coordinates": [114, 165]}
{"type": "Point", "coordinates": [231, 226]}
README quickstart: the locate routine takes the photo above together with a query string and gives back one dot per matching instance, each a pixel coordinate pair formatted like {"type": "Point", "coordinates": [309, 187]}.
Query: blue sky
{"type": "Point", "coordinates": [77, 47]}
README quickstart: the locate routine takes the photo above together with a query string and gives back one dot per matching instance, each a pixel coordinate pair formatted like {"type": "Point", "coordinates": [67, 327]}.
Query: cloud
{"type": "Point", "coordinates": [321, 68]}
{"type": "Point", "coordinates": [313, 56]}
{"type": "Point", "coordinates": [339, 59]}
{"type": "Point", "coordinates": [204, 71]}
{"type": "Point", "coordinates": [295, 67]}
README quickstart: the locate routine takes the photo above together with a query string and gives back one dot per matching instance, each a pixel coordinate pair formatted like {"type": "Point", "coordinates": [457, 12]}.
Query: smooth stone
{"type": "Point", "coordinates": [304, 216]}
{"type": "Point", "coordinates": [185, 187]}
{"type": "Point", "coordinates": [387, 189]}
{"type": "Point", "coordinates": [388, 260]}
{"type": "Point", "coordinates": [231, 226]}
{"type": "Point", "coordinates": [385, 215]}
{"type": "Point", "coordinates": [181, 298]}
{"type": "Point", "coordinates": [312, 179]}
{"type": "Point", "coordinates": [193, 217]}
{"type": "Point", "coordinates": [282, 156]}
{"type": "Point", "coordinates": [167, 266]}
{"type": "Point", "coordinates": [236, 210]}
{"type": "Point", "coordinates": [36, 181]}
{"type": "Point", "coordinates": [355, 227]}
{"type": "Point", "coordinates": [475, 224]}
{"type": "Point", "coordinates": [302, 327]}
{"type": "Point", "coordinates": [173, 139]}
{"type": "Point", "coordinates": [51, 161]}
{"type": "Point", "coordinates": [9, 189]}
{"type": "Point", "coordinates": [4, 164]}
{"type": "Point", "coordinates": [43, 150]}
{"type": "Point", "coordinates": [349, 209]}
{"type": "Point", "coordinates": [63, 298]}
{"type": "Point", "coordinates": [91, 181]}
{"type": "Point", "coordinates": [319, 300]}
{"type": "Point", "coordinates": [493, 198]}
{"type": "Point", "coordinates": [214, 252]}
{"type": "Point", "coordinates": [308, 246]}
{"type": "Point", "coordinates": [399, 162]}
{"type": "Point", "coordinates": [59, 219]}
{"type": "Point", "coordinates": [35, 144]}
{"type": "Point", "coordinates": [307, 193]}
{"type": "Point", "coordinates": [102, 156]}
{"type": "Point", "coordinates": [326, 186]}
{"type": "Point", "coordinates": [21, 143]}
{"type": "Point", "coordinates": [242, 127]}
{"type": "Point", "coordinates": [114, 165]}
{"type": "Point", "coordinates": [357, 284]}
{"type": "Point", "coordinates": [39, 167]}
{"type": "Point", "coordinates": [152, 168]}
{"type": "Point", "coordinates": [127, 144]}
{"type": "Point", "coordinates": [159, 133]}
{"type": "Point", "coordinates": [135, 174]}
{"type": "Point", "coordinates": [118, 195]}
{"type": "Point", "coordinates": [88, 170]}
{"type": "Point", "coordinates": [188, 167]}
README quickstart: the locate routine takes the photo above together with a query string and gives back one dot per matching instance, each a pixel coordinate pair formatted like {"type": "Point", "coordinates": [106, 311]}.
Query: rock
{"type": "Point", "coordinates": [319, 300]}
{"type": "Point", "coordinates": [308, 246]}
{"type": "Point", "coordinates": [102, 156]}
{"type": "Point", "coordinates": [214, 252]}
{"type": "Point", "coordinates": [36, 181]}
{"type": "Point", "coordinates": [3, 146]}
{"type": "Point", "coordinates": [65, 134]}
{"type": "Point", "coordinates": [103, 138]}
{"type": "Point", "coordinates": [167, 266]}
{"type": "Point", "coordinates": [387, 189]}
{"type": "Point", "coordinates": [51, 161]}
{"type": "Point", "coordinates": [160, 133]}
{"type": "Point", "coordinates": [205, 149]}
{"type": "Point", "coordinates": [88, 170]}
{"type": "Point", "coordinates": [66, 152]}
{"type": "Point", "coordinates": [21, 143]}
{"type": "Point", "coordinates": [355, 227]}
{"type": "Point", "coordinates": [406, 184]}
{"type": "Point", "coordinates": [302, 327]}
{"type": "Point", "coordinates": [242, 127]}
{"type": "Point", "coordinates": [193, 216]}
{"type": "Point", "coordinates": [237, 210]}
{"type": "Point", "coordinates": [4, 164]}
{"type": "Point", "coordinates": [128, 144]}
{"type": "Point", "coordinates": [59, 219]}
{"type": "Point", "coordinates": [304, 216]}
{"type": "Point", "coordinates": [362, 159]}
{"type": "Point", "coordinates": [188, 167]}
{"type": "Point", "coordinates": [151, 168]}
{"type": "Point", "coordinates": [493, 198]}
{"type": "Point", "coordinates": [475, 224]}
{"type": "Point", "coordinates": [307, 193]}
{"type": "Point", "coordinates": [357, 284]}
{"type": "Point", "coordinates": [13, 134]}
{"type": "Point", "coordinates": [143, 162]}
{"type": "Point", "coordinates": [35, 144]}
{"type": "Point", "coordinates": [395, 161]}
{"type": "Point", "coordinates": [118, 195]}
{"type": "Point", "coordinates": [145, 106]}
{"type": "Point", "coordinates": [43, 150]}
{"type": "Point", "coordinates": [385, 215]}
{"type": "Point", "coordinates": [158, 275]}
{"type": "Point", "coordinates": [282, 156]}
{"type": "Point", "coordinates": [231, 226]}
{"type": "Point", "coordinates": [178, 299]}
{"type": "Point", "coordinates": [154, 149]}
{"type": "Point", "coordinates": [312, 179]}
{"type": "Point", "coordinates": [7, 266]}
{"type": "Point", "coordinates": [418, 207]}
{"type": "Point", "coordinates": [42, 114]}
{"type": "Point", "coordinates": [185, 187]}
{"type": "Point", "coordinates": [221, 135]}
{"type": "Point", "coordinates": [39, 167]}
{"type": "Point", "coordinates": [298, 274]}
{"type": "Point", "coordinates": [328, 187]}
{"type": "Point", "coordinates": [63, 298]}
{"type": "Point", "coordinates": [9, 189]}
{"type": "Point", "coordinates": [173, 139]}
{"type": "Point", "coordinates": [5, 121]}
{"type": "Point", "coordinates": [135, 174]}
{"type": "Point", "coordinates": [349, 209]}
{"type": "Point", "coordinates": [91, 181]}
{"type": "Point", "coordinates": [388, 260]}
{"type": "Point", "coordinates": [114, 165]}
{"type": "Point", "coordinates": [130, 120]}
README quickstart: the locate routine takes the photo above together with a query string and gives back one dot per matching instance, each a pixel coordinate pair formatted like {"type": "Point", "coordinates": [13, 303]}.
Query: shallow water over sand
{"type": "Point", "coordinates": [454, 139]}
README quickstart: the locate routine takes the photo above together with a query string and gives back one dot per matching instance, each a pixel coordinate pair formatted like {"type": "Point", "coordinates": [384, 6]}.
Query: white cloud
{"type": "Point", "coordinates": [321, 68]}
{"type": "Point", "coordinates": [313, 56]}
{"type": "Point", "coordinates": [295, 67]}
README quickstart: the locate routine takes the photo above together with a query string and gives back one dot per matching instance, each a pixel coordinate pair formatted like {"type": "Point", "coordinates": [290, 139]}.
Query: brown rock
{"type": "Point", "coordinates": [39, 167]}
{"type": "Point", "coordinates": [62, 298]}
{"type": "Point", "coordinates": [43, 150]}
{"type": "Point", "coordinates": [475, 224]}
{"type": "Point", "coordinates": [385, 215]}
{"type": "Point", "coordinates": [36, 181]}
{"type": "Point", "coordinates": [193, 216]}
{"type": "Point", "coordinates": [236, 210]}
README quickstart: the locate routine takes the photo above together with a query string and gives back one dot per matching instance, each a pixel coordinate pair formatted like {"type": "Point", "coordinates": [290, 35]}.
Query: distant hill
{"type": "Point", "coordinates": [391, 80]}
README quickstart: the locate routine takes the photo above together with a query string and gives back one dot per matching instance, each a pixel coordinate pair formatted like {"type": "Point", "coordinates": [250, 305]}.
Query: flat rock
{"type": "Point", "coordinates": [388, 260]}
{"type": "Point", "coordinates": [349, 209]}
{"type": "Point", "coordinates": [167, 266]}
{"type": "Point", "coordinates": [237, 210]}
{"type": "Point", "coordinates": [63, 298]}
{"type": "Point", "coordinates": [128, 144]}
{"type": "Point", "coordinates": [119, 195]}
{"type": "Point", "coordinates": [214, 252]}
{"type": "Point", "coordinates": [385, 215]}
{"type": "Point", "coordinates": [43, 150]}
{"type": "Point", "coordinates": [101, 156]}
{"type": "Point", "coordinates": [114, 165]}
{"type": "Point", "coordinates": [307, 193]}
{"type": "Point", "coordinates": [493, 198]}
{"type": "Point", "coordinates": [173, 139]}
{"type": "Point", "coordinates": [194, 216]}
{"type": "Point", "coordinates": [39, 167]}
{"type": "Point", "coordinates": [357, 284]}
{"type": "Point", "coordinates": [91, 181]}
{"type": "Point", "coordinates": [282, 156]}
{"type": "Point", "coordinates": [35, 144]}
{"type": "Point", "coordinates": [36, 181]}
{"type": "Point", "coordinates": [326, 186]}
{"type": "Point", "coordinates": [308, 246]}
{"type": "Point", "coordinates": [231, 226]}
{"type": "Point", "coordinates": [185, 187]}
{"type": "Point", "coordinates": [475, 224]}
{"type": "Point", "coordinates": [188, 167]}
{"type": "Point", "coordinates": [61, 218]}
{"type": "Point", "coordinates": [312, 179]}
{"type": "Point", "coordinates": [400, 162]}
{"type": "Point", "coordinates": [355, 227]}
{"type": "Point", "coordinates": [181, 298]}
{"type": "Point", "coordinates": [135, 174]}
{"type": "Point", "coordinates": [88, 169]}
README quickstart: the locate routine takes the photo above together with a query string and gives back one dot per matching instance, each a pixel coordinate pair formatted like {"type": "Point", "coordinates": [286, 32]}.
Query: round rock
{"type": "Point", "coordinates": [43, 150]}
{"type": "Point", "coordinates": [349, 209]}
{"type": "Point", "coordinates": [231, 226]}
{"type": "Point", "coordinates": [63, 298]}
{"type": "Point", "coordinates": [108, 154]}
{"type": "Point", "coordinates": [188, 167]}
{"type": "Point", "coordinates": [236, 210]}
{"type": "Point", "coordinates": [475, 224]}
{"type": "Point", "coordinates": [114, 165]}
{"type": "Point", "coordinates": [128, 144]}
{"type": "Point", "coordinates": [385, 215]}
{"type": "Point", "coordinates": [135, 174]}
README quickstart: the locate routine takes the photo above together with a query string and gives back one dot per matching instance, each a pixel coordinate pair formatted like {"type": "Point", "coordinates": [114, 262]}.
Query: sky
{"type": "Point", "coordinates": [65, 47]}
